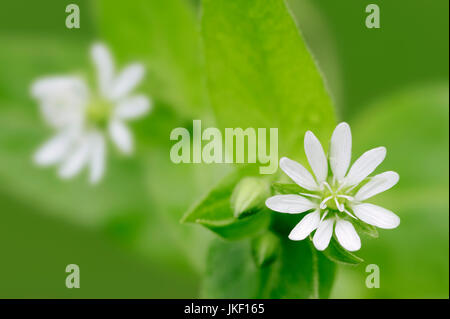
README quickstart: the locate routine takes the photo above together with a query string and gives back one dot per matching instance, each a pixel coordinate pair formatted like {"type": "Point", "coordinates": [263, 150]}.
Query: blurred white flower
{"type": "Point", "coordinates": [336, 200]}
{"type": "Point", "coordinates": [83, 120]}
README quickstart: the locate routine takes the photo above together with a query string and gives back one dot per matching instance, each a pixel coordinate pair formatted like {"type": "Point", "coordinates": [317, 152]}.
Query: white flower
{"type": "Point", "coordinates": [83, 120]}
{"type": "Point", "coordinates": [336, 199]}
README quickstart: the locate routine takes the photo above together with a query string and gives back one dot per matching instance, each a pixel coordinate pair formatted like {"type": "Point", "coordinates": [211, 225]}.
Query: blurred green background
{"type": "Point", "coordinates": [390, 84]}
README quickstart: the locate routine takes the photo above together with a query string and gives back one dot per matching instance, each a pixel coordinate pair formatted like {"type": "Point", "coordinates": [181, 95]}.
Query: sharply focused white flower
{"type": "Point", "coordinates": [335, 200]}
{"type": "Point", "coordinates": [83, 119]}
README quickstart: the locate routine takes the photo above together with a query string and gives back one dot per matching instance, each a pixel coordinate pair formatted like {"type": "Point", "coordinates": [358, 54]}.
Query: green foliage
{"type": "Point", "coordinates": [215, 212]}
{"type": "Point", "coordinates": [299, 272]}
{"type": "Point", "coordinates": [260, 72]}
{"type": "Point", "coordinates": [364, 228]}
{"type": "Point", "coordinates": [336, 253]}
{"type": "Point", "coordinates": [165, 36]}
{"type": "Point", "coordinates": [258, 66]}
{"type": "Point", "coordinates": [265, 248]}
{"type": "Point", "coordinates": [286, 188]}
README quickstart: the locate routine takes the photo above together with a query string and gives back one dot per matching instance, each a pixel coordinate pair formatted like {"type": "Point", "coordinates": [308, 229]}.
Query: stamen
{"type": "Point", "coordinates": [350, 214]}
{"type": "Point", "coordinates": [324, 215]}
{"type": "Point", "coordinates": [310, 195]}
{"type": "Point", "coordinates": [328, 186]}
{"type": "Point", "coordinates": [346, 197]}
{"type": "Point", "coordinates": [340, 207]}
{"type": "Point", "coordinates": [322, 204]}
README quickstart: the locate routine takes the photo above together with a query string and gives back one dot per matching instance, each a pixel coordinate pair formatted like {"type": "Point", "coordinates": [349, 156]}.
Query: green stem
{"type": "Point", "coordinates": [315, 275]}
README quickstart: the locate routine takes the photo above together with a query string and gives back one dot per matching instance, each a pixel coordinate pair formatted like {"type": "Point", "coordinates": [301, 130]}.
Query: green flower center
{"type": "Point", "coordinates": [98, 112]}
{"type": "Point", "coordinates": [335, 200]}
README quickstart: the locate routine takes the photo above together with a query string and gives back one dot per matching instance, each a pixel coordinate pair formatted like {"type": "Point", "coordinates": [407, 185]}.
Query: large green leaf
{"type": "Point", "coordinates": [260, 72]}
{"type": "Point", "coordinates": [299, 271]}
{"type": "Point", "coordinates": [164, 35]}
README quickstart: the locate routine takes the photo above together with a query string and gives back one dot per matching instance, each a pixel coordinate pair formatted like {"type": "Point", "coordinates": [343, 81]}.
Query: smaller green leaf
{"type": "Point", "coordinates": [235, 229]}
{"type": "Point", "coordinates": [215, 211]}
{"type": "Point", "coordinates": [265, 248]}
{"type": "Point", "coordinates": [249, 195]}
{"type": "Point", "coordinates": [339, 255]}
{"type": "Point", "coordinates": [286, 188]}
{"type": "Point", "coordinates": [367, 229]}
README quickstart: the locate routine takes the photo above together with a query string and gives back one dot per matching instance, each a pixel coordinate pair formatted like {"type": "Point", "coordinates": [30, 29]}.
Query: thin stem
{"type": "Point", "coordinates": [315, 270]}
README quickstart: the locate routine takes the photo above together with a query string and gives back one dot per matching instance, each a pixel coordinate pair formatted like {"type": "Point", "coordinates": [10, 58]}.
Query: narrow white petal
{"type": "Point", "coordinates": [347, 236]}
{"type": "Point", "coordinates": [76, 160]}
{"type": "Point", "coordinates": [376, 216]}
{"type": "Point", "coordinates": [104, 64]}
{"type": "Point", "coordinates": [377, 184]}
{"type": "Point", "coordinates": [298, 174]}
{"type": "Point", "coordinates": [126, 81]}
{"type": "Point", "coordinates": [365, 165]}
{"type": "Point", "coordinates": [305, 226]}
{"type": "Point", "coordinates": [340, 150]}
{"type": "Point", "coordinates": [62, 99]}
{"type": "Point", "coordinates": [53, 150]}
{"type": "Point", "coordinates": [121, 136]}
{"type": "Point", "coordinates": [57, 86]}
{"type": "Point", "coordinates": [132, 107]}
{"type": "Point", "coordinates": [97, 160]}
{"type": "Point", "coordinates": [316, 156]}
{"type": "Point", "coordinates": [323, 234]}
{"type": "Point", "coordinates": [292, 204]}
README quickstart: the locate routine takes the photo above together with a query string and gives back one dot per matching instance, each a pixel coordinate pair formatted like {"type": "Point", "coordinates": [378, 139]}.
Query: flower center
{"type": "Point", "coordinates": [334, 200]}
{"type": "Point", "coordinates": [98, 112]}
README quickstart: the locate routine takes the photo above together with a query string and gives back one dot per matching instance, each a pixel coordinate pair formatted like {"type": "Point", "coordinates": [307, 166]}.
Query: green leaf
{"type": "Point", "coordinates": [259, 67]}
{"type": "Point", "coordinates": [165, 36]}
{"type": "Point", "coordinates": [230, 271]}
{"type": "Point", "coordinates": [215, 211]}
{"type": "Point", "coordinates": [299, 271]}
{"type": "Point", "coordinates": [362, 227]}
{"type": "Point", "coordinates": [286, 188]}
{"type": "Point", "coordinates": [249, 195]}
{"type": "Point", "coordinates": [336, 253]}
{"type": "Point", "coordinates": [265, 248]}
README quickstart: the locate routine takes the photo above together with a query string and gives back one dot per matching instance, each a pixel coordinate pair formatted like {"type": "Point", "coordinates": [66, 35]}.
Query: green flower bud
{"type": "Point", "coordinates": [249, 195]}
{"type": "Point", "coordinates": [265, 248]}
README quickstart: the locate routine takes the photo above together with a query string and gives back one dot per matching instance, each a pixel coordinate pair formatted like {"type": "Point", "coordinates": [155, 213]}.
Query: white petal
{"type": "Point", "coordinates": [340, 150]}
{"type": "Point", "coordinates": [126, 81]}
{"type": "Point", "coordinates": [53, 150]}
{"type": "Point", "coordinates": [323, 234]}
{"type": "Point", "coordinates": [76, 160]}
{"type": "Point", "coordinates": [97, 163]}
{"type": "Point", "coordinates": [292, 204]}
{"type": "Point", "coordinates": [132, 107]}
{"type": "Point", "coordinates": [347, 236]}
{"type": "Point", "coordinates": [305, 226]}
{"type": "Point", "coordinates": [377, 184]}
{"type": "Point", "coordinates": [104, 64]}
{"type": "Point", "coordinates": [316, 156]}
{"type": "Point", "coordinates": [62, 99]}
{"type": "Point", "coordinates": [298, 174]}
{"type": "Point", "coordinates": [365, 165]}
{"type": "Point", "coordinates": [376, 216]}
{"type": "Point", "coordinates": [121, 136]}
